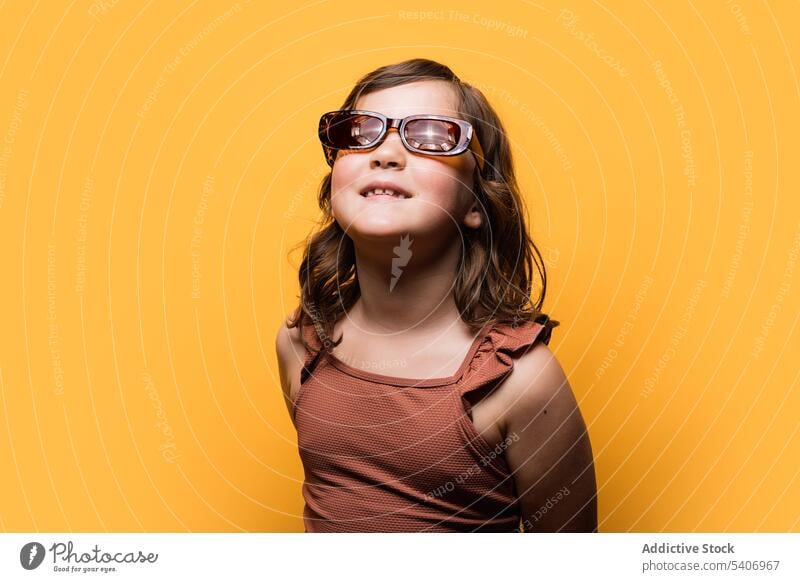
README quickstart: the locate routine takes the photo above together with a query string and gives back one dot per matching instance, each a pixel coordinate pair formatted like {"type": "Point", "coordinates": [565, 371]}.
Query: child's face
{"type": "Point", "coordinates": [440, 187]}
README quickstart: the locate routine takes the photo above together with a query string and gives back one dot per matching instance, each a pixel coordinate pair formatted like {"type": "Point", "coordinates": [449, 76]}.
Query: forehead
{"type": "Point", "coordinates": [432, 97]}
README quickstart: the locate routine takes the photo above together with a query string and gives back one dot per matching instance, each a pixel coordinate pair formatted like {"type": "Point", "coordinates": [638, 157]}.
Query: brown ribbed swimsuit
{"type": "Point", "coordinates": [387, 454]}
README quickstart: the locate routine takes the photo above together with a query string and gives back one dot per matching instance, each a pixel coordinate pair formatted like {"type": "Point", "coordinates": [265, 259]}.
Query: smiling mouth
{"type": "Point", "coordinates": [385, 193]}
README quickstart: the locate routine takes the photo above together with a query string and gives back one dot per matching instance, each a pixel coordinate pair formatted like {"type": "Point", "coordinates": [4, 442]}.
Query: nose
{"type": "Point", "coordinates": [391, 153]}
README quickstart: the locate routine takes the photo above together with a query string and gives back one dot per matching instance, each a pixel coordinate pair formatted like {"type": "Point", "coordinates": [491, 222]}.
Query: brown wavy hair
{"type": "Point", "coordinates": [494, 282]}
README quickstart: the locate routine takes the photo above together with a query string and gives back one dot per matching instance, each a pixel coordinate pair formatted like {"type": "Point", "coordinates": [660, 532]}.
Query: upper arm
{"type": "Point", "coordinates": [289, 350]}
{"type": "Point", "coordinates": [549, 452]}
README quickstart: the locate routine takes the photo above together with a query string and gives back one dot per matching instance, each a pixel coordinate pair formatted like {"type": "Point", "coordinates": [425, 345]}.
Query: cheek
{"type": "Point", "coordinates": [446, 189]}
{"type": "Point", "coordinates": [342, 176]}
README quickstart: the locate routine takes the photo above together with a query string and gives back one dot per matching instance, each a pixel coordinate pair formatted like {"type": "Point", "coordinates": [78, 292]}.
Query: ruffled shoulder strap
{"type": "Point", "coordinates": [525, 334]}
{"type": "Point", "coordinates": [313, 355]}
{"type": "Point", "coordinates": [494, 359]}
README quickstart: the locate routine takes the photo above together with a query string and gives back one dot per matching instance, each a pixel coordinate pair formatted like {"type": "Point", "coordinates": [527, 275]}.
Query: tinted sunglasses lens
{"type": "Point", "coordinates": [433, 135]}
{"type": "Point", "coordinates": [348, 130]}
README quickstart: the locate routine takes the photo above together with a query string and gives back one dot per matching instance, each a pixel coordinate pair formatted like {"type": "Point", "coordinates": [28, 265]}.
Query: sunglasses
{"type": "Point", "coordinates": [432, 135]}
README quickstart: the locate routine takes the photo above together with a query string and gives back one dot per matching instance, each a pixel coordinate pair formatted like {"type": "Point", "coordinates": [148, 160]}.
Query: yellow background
{"type": "Point", "coordinates": [159, 159]}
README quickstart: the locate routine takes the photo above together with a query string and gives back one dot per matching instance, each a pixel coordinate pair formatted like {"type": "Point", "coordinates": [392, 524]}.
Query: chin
{"type": "Point", "coordinates": [372, 231]}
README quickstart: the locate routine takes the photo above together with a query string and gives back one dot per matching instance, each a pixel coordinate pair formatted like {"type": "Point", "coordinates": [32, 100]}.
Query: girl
{"type": "Point", "coordinates": [415, 367]}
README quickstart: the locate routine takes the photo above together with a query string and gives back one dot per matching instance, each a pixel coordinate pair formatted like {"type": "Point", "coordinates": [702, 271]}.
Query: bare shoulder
{"type": "Point", "coordinates": [549, 454]}
{"type": "Point", "coordinates": [291, 355]}
{"type": "Point", "coordinates": [537, 379]}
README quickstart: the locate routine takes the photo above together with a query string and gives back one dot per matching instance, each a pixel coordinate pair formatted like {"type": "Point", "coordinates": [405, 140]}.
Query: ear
{"type": "Point", "coordinates": [473, 218]}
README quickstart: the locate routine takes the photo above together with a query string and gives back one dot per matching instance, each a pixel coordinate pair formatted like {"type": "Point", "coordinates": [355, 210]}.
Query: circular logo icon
{"type": "Point", "coordinates": [31, 555]}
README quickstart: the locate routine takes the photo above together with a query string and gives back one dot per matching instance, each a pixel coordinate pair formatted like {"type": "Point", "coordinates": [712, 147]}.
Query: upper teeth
{"type": "Point", "coordinates": [384, 191]}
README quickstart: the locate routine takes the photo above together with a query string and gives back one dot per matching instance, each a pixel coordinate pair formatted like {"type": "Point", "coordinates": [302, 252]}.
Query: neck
{"type": "Point", "coordinates": [403, 288]}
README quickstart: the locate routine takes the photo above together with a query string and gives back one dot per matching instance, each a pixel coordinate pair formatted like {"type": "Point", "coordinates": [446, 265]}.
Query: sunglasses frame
{"type": "Point", "coordinates": [469, 139]}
